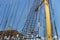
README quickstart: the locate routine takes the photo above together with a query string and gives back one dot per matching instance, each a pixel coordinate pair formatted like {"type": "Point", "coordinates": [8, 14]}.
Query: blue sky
{"type": "Point", "coordinates": [15, 12]}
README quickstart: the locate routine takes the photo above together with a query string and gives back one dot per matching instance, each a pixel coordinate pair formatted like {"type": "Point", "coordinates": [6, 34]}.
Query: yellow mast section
{"type": "Point", "coordinates": [48, 23]}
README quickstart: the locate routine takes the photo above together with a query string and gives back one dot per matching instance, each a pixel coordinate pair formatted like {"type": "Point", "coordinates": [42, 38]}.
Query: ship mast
{"type": "Point", "coordinates": [48, 22]}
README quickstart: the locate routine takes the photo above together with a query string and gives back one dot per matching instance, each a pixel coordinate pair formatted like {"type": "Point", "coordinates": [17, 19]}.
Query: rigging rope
{"type": "Point", "coordinates": [7, 16]}
{"type": "Point", "coordinates": [9, 9]}
{"type": "Point", "coordinates": [50, 2]}
{"type": "Point", "coordinates": [11, 14]}
{"type": "Point", "coordinates": [3, 17]}
{"type": "Point", "coordinates": [19, 18]}
{"type": "Point", "coordinates": [17, 6]}
{"type": "Point", "coordinates": [28, 19]}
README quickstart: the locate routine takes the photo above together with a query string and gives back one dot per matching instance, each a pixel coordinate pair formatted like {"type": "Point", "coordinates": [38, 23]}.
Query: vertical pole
{"type": "Point", "coordinates": [48, 23]}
